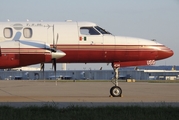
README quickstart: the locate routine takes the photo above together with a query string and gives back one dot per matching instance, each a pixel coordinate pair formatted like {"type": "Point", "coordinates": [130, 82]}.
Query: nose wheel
{"type": "Point", "coordinates": [116, 91]}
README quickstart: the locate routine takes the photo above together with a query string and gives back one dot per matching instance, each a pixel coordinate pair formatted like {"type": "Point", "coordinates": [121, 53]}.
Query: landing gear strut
{"type": "Point", "coordinates": [116, 91]}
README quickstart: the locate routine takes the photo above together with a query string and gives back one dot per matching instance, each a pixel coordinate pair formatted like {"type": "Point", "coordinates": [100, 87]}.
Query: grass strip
{"type": "Point", "coordinates": [89, 113]}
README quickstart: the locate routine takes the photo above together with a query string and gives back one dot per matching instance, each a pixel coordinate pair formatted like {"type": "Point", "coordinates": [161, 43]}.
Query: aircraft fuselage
{"type": "Point", "coordinates": [81, 42]}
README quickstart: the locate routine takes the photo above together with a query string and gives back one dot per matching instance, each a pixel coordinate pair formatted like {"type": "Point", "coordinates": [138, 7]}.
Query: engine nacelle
{"type": "Point", "coordinates": [22, 53]}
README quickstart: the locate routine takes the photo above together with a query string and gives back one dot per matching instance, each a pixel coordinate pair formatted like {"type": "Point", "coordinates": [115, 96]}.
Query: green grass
{"type": "Point", "coordinates": [89, 113]}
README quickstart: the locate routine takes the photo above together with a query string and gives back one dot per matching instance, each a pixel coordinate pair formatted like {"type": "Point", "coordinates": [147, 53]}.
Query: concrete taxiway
{"type": "Point", "coordinates": [25, 93]}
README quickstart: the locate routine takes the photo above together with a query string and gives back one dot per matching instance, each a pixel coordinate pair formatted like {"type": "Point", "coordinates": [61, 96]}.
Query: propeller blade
{"type": "Point", "coordinates": [42, 68]}
{"type": "Point", "coordinates": [53, 37]}
{"type": "Point", "coordinates": [57, 38]}
{"type": "Point", "coordinates": [17, 36]}
{"type": "Point", "coordinates": [56, 41]}
{"type": "Point", "coordinates": [55, 54]}
{"type": "Point", "coordinates": [54, 66]}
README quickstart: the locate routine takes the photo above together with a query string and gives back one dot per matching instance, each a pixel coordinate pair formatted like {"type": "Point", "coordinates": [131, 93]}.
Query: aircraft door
{"type": "Point", "coordinates": [66, 39]}
{"type": "Point", "coordinates": [109, 47]}
{"type": "Point", "coordinates": [90, 44]}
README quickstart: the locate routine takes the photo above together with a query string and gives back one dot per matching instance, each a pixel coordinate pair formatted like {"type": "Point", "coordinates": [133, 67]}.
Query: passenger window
{"type": "Point", "coordinates": [89, 31]}
{"type": "Point", "coordinates": [27, 32]}
{"type": "Point", "coordinates": [8, 33]}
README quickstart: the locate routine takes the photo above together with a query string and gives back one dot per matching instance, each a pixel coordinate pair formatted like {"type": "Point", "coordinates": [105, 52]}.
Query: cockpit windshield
{"type": "Point", "coordinates": [89, 31]}
{"type": "Point", "coordinates": [96, 30]}
{"type": "Point", "coordinates": [101, 30]}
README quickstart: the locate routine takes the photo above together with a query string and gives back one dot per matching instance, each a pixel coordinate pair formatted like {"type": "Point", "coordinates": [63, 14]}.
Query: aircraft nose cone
{"type": "Point", "coordinates": [58, 54]}
{"type": "Point", "coordinates": [165, 52]}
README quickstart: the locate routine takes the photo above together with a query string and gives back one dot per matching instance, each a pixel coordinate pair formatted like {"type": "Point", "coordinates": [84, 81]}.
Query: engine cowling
{"type": "Point", "coordinates": [22, 53]}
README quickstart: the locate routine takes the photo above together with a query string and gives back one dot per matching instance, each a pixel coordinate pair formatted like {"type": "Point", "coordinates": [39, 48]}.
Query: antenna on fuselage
{"type": "Point", "coordinates": [69, 20]}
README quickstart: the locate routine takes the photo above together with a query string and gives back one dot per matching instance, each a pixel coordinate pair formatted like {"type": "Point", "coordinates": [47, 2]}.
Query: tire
{"type": "Point", "coordinates": [116, 91]}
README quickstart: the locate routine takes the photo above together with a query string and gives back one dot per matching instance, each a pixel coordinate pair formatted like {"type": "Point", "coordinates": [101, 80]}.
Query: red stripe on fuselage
{"type": "Point", "coordinates": [111, 53]}
{"type": "Point", "coordinates": [85, 54]}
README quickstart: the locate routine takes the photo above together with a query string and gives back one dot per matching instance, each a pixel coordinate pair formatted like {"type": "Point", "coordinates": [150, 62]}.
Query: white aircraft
{"type": "Point", "coordinates": [27, 43]}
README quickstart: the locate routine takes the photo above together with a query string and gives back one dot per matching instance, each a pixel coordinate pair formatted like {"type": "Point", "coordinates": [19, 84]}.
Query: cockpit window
{"type": "Point", "coordinates": [101, 30]}
{"type": "Point", "coordinates": [89, 31]}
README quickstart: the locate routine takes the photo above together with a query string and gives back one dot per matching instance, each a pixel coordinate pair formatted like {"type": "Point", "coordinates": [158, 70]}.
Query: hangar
{"type": "Point", "coordinates": [139, 73]}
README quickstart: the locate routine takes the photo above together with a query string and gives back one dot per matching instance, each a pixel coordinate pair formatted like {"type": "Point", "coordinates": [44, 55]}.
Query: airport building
{"type": "Point", "coordinates": [139, 73]}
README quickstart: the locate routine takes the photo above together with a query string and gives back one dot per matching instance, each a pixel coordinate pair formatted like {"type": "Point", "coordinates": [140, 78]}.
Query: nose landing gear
{"type": "Point", "coordinates": [116, 91]}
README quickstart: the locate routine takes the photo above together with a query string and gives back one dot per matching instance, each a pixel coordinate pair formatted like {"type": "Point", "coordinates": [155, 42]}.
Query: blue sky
{"type": "Point", "coordinates": [151, 19]}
